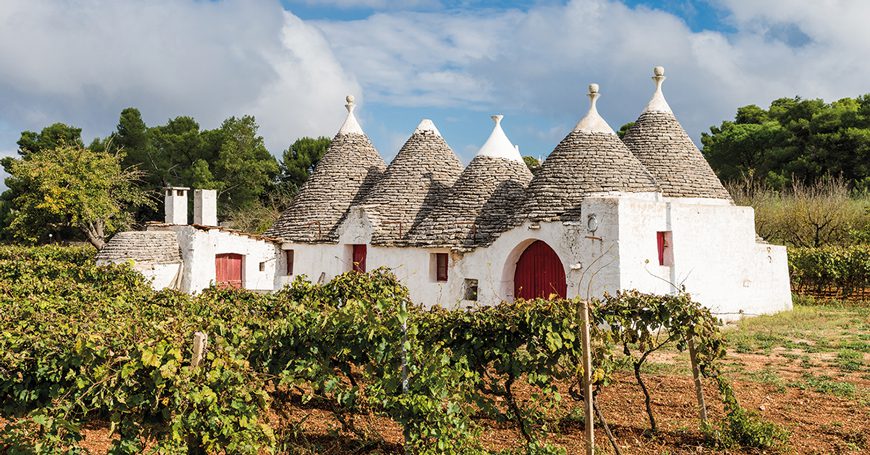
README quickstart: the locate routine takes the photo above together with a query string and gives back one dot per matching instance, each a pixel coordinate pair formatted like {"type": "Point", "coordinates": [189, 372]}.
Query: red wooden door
{"type": "Point", "coordinates": [228, 270]}
{"type": "Point", "coordinates": [359, 258]}
{"type": "Point", "coordinates": [539, 273]}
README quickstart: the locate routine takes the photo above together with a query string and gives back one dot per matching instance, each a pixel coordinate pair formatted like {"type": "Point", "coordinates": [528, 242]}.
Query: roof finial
{"type": "Point", "coordinates": [498, 145]}
{"type": "Point", "coordinates": [351, 126]}
{"type": "Point", "coordinates": [427, 125]}
{"type": "Point", "coordinates": [658, 102]}
{"type": "Point", "coordinates": [593, 122]}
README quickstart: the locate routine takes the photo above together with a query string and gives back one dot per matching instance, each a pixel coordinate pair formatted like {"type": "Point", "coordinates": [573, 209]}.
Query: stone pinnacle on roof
{"type": "Point", "coordinates": [659, 141]}
{"type": "Point", "coordinates": [420, 176]}
{"type": "Point", "coordinates": [498, 145]}
{"type": "Point", "coordinates": [593, 122]}
{"type": "Point", "coordinates": [344, 176]}
{"type": "Point", "coordinates": [658, 103]}
{"type": "Point", "coordinates": [483, 202]}
{"type": "Point", "coordinates": [350, 126]}
{"type": "Point", "coordinates": [590, 160]}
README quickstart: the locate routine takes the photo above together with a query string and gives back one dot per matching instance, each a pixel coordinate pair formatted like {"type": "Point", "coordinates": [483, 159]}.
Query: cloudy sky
{"type": "Point", "coordinates": [291, 62]}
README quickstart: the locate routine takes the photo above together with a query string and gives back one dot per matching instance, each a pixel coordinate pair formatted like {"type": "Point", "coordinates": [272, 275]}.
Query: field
{"type": "Point", "coordinates": [807, 370]}
{"type": "Point", "coordinates": [91, 352]}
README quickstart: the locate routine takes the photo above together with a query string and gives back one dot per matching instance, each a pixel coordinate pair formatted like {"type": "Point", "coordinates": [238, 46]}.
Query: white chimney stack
{"type": "Point", "coordinates": [205, 207]}
{"type": "Point", "coordinates": [176, 204]}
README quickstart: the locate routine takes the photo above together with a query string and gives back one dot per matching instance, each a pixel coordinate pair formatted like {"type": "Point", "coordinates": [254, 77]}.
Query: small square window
{"type": "Point", "coordinates": [289, 254]}
{"type": "Point", "coordinates": [470, 290]}
{"type": "Point", "coordinates": [262, 266]}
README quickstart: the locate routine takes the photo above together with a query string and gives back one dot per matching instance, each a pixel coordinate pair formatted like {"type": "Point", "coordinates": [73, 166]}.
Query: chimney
{"type": "Point", "coordinates": [205, 207]}
{"type": "Point", "coordinates": [176, 204]}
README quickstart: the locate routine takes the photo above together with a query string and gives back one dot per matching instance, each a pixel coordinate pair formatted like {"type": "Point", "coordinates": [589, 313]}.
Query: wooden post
{"type": "Point", "coordinates": [696, 374]}
{"type": "Point", "coordinates": [589, 412]}
{"type": "Point", "coordinates": [200, 342]}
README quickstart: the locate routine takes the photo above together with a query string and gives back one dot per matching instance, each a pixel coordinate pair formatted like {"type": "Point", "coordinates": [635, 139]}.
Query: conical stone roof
{"type": "Point", "coordinates": [590, 159]}
{"type": "Point", "coordinates": [419, 177]}
{"type": "Point", "coordinates": [659, 141]}
{"type": "Point", "coordinates": [483, 202]}
{"type": "Point", "coordinates": [345, 174]}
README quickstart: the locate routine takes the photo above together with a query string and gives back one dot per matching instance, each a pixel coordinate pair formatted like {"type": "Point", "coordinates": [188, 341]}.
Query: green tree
{"type": "Point", "coordinates": [50, 137]}
{"type": "Point", "coordinates": [244, 168]}
{"type": "Point", "coordinates": [75, 187]}
{"type": "Point", "coordinates": [624, 129]}
{"type": "Point", "coordinates": [299, 160]}
{"type": "Point", "coordinates": [794, 140]}
{"type": "Point", "coordinates": [532, 163]}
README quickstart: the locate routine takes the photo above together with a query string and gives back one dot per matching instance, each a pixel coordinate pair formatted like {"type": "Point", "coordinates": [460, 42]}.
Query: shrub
{"type": "Point", "coordinates": [846, 269]}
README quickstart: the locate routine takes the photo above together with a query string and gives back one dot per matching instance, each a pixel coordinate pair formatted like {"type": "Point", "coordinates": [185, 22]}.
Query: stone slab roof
{"type": "Point", "coordinates": [659, 141]}
{"type": "Point", "coordinates": [148, 247]}
{"type": "Point", "coordinates": [583, 163]}
{"type": "Point", "coordinates": [347, 172]}
{"type": "Point", "coordinates": [482, 204]}
{"type": "Point", "coordinates": [418, 178]}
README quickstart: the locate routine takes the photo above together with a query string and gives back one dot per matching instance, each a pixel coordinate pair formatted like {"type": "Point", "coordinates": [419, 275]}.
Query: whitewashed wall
{"type": "Point", "coordinates": [162, 276]}
{"type": "Point", "coordinates": [716, 256]}
{"type": "Point", "coordinates": [200, 246]}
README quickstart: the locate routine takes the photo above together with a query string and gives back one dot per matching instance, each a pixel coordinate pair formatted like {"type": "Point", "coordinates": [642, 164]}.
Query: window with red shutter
{"type": "Point", "coordinates": [664, 239]}
{"type": "Point", "coordinates": [441, 266]}
{"type": "Point", "coordinates": [359, 258]}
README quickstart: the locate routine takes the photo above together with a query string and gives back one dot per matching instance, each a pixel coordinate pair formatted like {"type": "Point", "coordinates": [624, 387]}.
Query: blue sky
{"type": "Point", "coordinates": [291, 62]}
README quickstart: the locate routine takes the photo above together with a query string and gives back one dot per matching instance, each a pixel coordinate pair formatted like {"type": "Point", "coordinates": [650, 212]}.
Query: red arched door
{"type": "Point", "coordinates": [539, 273]}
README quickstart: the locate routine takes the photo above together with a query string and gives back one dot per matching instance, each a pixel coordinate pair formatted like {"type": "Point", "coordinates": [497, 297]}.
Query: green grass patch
{"type": "Point", "coordinates": [827, 385]}
{"type": "Point", "coordinates": [768, 376]}
{"type": "Point", "coordinates": [849, 360]}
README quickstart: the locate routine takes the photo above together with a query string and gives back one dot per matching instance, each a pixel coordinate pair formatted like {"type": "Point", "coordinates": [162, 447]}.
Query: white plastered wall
{"type": "Point", "coordinates": [200, 246]}
{"type": "Point", "coordinates": [161, 276]}
{"type": "Point", "coordinates": [715, 255]}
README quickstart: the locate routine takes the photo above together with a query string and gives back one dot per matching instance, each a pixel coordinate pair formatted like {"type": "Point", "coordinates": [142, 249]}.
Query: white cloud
{"type": "Point", "coordinates": [376, 4]}
{"type": "Point", "coordinates": [539, 61]}
{"type": "Point", "coordinates": [83, 61]}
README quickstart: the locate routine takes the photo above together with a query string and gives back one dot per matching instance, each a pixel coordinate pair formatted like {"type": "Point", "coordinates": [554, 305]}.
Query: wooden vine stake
{"type": "Point", "coordinates": [589, 412]}
{"type": "Point", "coordinates": [696, 374]}
{"type": "Point", "coordinates": [200, 342]}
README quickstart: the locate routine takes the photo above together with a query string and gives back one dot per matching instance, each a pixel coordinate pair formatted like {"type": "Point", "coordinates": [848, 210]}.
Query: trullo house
{"type": "Point", "coordinates": [601, 214]}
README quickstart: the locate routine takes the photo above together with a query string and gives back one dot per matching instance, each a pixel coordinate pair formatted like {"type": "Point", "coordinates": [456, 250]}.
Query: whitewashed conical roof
{"type": "Point", "coordinates": [590, 159]}
{"type": "Point", "coordinates": [483, 203]}
{"type": "Point", "coordinates": [659, 141]}
{"type": "Point", "coordinates": [345, 174]}
{"type": "Point", "coordinates": [419, 177]}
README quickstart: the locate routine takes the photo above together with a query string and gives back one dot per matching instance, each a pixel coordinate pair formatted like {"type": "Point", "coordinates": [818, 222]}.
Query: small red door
{"type": "Point", "coordinates": [359, 258]}
{"type": "Point", "coordinates": [228, 270]}
{"type": "Point", "coordinates": [539, 273]}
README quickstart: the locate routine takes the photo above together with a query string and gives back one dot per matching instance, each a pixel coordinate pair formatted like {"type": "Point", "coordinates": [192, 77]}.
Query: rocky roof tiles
{"type": "Point", "coordinates": [345, 174]}
{"type": "Point", "coordinates": [148, 247]}
{"type": "Point", "coordinates": [659, 141]}
{"type": "Point", "coordinates": [483, 202]}
{"type": "Point", "coordinates": [420, 176]}
{"type": "Point", "coordinates": [590, 159]}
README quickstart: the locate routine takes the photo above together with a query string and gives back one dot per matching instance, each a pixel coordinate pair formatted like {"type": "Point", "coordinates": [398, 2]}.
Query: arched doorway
{"type": "Point", "coordinates": [539, 273]}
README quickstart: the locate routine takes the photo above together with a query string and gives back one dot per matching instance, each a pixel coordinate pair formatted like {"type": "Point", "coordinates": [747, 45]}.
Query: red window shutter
{"type": "Point", "coordinates": [441, 266]}
{"type": "Point", "coordinates": [359, 258]}
{"type": "Point", "coordinates": [289, 254]}
{"type": "Point", "coordinates": [228, 270]}
{"type": "Point", "coordinates": [660, 238]}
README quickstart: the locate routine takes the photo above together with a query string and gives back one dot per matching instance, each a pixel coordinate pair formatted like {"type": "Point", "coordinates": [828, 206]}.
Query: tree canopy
{"type": "Point", "coordinates": [299, 160]}
{"type": "Point", "coordinates": [231, 159]}
{"type": "Point", "coordinates": [68, 185]}
{"type": "Point", "coordinates": [794, 140]}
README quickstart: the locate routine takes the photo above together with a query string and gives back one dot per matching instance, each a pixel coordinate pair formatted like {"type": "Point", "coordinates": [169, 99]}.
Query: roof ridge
{"type": "Point", "coordinates": [350, 125]}
{"type": "Point", "coordinates": [593, 122]}
{"type": "Point", "coordinates": [498, 145]}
